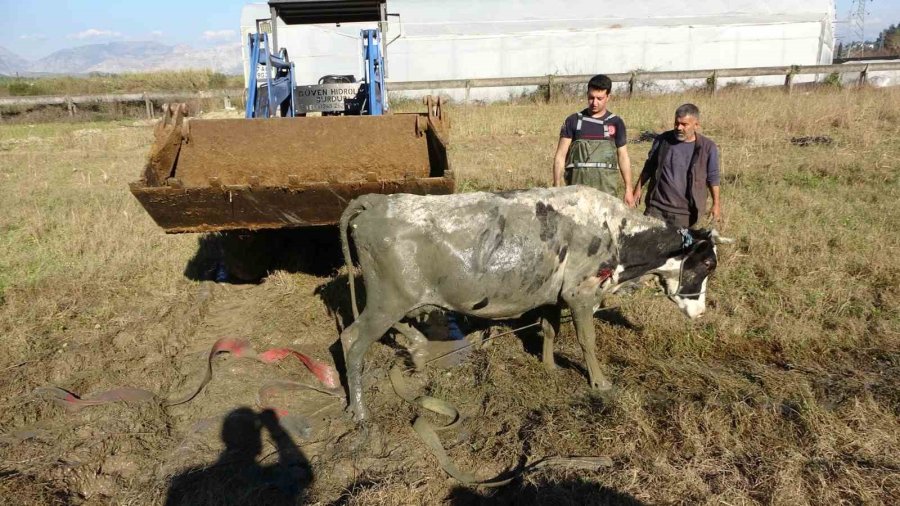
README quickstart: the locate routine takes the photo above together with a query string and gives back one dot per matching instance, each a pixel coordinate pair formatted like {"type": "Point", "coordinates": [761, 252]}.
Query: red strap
{"type": "Point", "coordinates": [240, 348]}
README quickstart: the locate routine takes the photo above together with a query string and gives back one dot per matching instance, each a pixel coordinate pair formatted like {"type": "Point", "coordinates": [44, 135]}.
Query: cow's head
{"type": "Point", "coordinates": [684, 276]}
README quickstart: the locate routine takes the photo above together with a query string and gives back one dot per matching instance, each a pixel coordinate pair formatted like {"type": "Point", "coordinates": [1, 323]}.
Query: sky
{"type": "Point", "coordinates": [33, 29]}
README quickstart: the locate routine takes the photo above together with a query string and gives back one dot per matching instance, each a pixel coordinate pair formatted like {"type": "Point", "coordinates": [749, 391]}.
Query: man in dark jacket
{"type": "Point", "coordinates": [681, 166]}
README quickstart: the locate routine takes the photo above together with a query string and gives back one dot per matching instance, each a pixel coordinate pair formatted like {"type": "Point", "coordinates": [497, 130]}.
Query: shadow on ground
{"type": "Point", "coordinates": [248, 256]}
{"type": "Point", "coordinates": [241, 475]}
{"type": "Point", "coordinates": [335, 294]}
{"type": "Point", "coordinates": [558, 493]}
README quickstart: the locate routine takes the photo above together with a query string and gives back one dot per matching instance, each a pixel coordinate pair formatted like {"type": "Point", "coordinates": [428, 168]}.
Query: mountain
{"type": "Point", "coordinates": [116, 57]}
{"type": "Point", "coordinates": [11, 63]}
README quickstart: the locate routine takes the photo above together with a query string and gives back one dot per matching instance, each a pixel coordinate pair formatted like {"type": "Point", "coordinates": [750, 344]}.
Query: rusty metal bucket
{"type": "Point", "coordinates": [207, 175]}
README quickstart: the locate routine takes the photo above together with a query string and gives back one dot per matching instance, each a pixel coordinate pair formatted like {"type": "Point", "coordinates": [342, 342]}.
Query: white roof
{"type": "Point", "coordinates": [469, 39]}
{"type": "Point", "coordinates": [473, 17]}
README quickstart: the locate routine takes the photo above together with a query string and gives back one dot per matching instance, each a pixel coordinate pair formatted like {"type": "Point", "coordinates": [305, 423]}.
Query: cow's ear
{"type": "Point", "coordinates": [700, 234]}
{"type": "Point", "coordinates": [699, 252]}
{"type": "Point", "coordinates": [718, 239]}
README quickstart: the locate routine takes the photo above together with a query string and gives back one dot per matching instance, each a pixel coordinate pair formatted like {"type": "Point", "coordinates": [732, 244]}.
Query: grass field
{"type": "Point", "coordinates": [786, 392]}
{"type": "Point", "coordinates": [186, 80]}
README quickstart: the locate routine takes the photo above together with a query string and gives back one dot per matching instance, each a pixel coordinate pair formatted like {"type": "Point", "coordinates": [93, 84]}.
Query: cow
{"type": "Point", "coordinates": [500, 255]}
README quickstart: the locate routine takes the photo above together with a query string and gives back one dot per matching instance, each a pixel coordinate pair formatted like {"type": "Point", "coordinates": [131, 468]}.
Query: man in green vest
{"type": "Point", "coordinates": [591, 149]}
{"type": "Point", "coordinates": [682, 170]}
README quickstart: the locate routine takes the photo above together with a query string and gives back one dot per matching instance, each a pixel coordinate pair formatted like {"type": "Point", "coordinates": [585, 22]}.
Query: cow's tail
{"type": "Point", "coordinates": [355, 207]}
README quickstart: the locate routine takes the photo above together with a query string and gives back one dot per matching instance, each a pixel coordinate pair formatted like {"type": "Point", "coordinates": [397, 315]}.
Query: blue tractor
{"type": "Point", "coordinates": [272, 89]}
{"type": "Point", "coordinates": [301, 153]}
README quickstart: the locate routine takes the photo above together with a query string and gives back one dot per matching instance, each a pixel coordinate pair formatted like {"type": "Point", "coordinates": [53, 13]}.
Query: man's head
{"type": "Point", "coordinates": [599, 88]}
{"type": "Point", "coordinates": [687, 120]}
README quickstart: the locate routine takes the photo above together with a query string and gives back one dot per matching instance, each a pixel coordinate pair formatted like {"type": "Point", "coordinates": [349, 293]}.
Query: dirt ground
{"type": "Point", "coordinates": [219, 448]}
{"type": "Point", "coordinates": [786, 392]}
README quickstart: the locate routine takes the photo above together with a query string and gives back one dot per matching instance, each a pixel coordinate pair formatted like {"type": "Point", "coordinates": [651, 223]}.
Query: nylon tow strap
{"type": "Point", "coordinates": [428, 433]}
{"type": "Point", "coordinates": [327, 376]}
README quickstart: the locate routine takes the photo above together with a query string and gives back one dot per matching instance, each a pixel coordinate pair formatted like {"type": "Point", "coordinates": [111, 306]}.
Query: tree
{"type": "Point", "coordinates": [892, 42]}
{"type": "Point", "coordinates": [889, 39]}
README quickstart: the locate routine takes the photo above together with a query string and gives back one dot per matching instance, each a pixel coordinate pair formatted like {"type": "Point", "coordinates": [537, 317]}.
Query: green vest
{"type": "Point", "coordinates": [593, 162]}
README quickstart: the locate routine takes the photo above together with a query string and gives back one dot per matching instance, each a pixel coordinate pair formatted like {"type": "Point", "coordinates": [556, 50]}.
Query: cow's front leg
{"type": "Point", "coordinates": [549, 330]}
{"type": "Point", "coordinates": [583, 315]}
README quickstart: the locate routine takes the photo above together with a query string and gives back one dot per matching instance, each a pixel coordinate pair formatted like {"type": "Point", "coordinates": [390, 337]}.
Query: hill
{"type": "Point", "coordinates": [117, 57]}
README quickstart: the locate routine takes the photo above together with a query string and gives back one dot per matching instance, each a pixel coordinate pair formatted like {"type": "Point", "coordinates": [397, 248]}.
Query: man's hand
{"type": "Point", "coordinates": [629, 197]}
{"type": "Point", "coordinates": [715, 213]}
{"type": "Point", "coordinates": [636, 195]}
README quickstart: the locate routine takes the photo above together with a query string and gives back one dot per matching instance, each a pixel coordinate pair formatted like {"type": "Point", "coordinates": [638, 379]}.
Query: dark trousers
{"type": "Point", "coordinates": [676, 220]}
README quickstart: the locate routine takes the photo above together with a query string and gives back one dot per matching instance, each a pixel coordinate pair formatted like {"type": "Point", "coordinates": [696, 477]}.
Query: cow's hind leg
{"type": "Point", "coordinates": [583, 315]}
{"type": "Point", "coordinates": [549, 331]}
{"type": "Point", "coordinates": [357, 338]}
{"type": "Point", "coordinates": [418, 348]}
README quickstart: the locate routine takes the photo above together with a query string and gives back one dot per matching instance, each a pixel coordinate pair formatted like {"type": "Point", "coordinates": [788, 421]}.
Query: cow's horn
{"type": "Point", "coordinates": [718, 239]}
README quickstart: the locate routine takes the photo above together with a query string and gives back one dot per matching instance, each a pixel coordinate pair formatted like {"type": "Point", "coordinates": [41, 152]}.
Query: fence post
{"type": "Point", "coordinates": [468, 87]}
{"type": "Point", "coordinates": [863, 76]}
{"type": "Point", "coordinates": [712, 82]}
{"type": "Point", "coordinates": [148, 106]}
{"type": "Point", "coordinates": [631, 81]}
{"type": "Point", "coordinates": [789, 80]}
{"type": "Point", "coordinates": [549, 89]}
{"type": "Point", "coordinates": [70, 106]}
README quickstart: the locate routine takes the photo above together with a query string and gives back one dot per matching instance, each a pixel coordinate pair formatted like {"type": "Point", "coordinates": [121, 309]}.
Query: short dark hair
{"type": "Point", "coordinates": [600, 82]}
{"type": "Point", "coordinates": [687, 110]}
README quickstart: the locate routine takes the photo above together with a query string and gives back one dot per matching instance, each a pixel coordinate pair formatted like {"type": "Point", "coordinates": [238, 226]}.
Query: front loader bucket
{"type": "Point", "coordinates": [247, 174]}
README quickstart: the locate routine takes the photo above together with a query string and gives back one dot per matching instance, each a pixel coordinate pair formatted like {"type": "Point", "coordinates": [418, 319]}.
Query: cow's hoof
{"type": "Point", "coordinates": [419, 358]}
{"type": "Point", "coordinates": [550, 366]}
{"type": "Point", "coordinates": [602, 385]}
{"type": "Point", "coordinates": [358, 415]}
{"type": "Point", "coordinates": [367, 438]}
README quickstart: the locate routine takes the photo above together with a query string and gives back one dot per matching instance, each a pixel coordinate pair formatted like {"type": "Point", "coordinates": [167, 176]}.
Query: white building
{"type": "Point", "coordinates": [467, 39]}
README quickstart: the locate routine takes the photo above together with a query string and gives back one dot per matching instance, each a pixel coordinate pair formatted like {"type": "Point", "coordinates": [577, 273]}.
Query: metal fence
{"type": "Point", "coordinates": [552, 83]}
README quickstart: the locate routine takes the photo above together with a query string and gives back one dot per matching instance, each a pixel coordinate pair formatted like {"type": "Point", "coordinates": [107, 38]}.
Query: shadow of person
{"type": "Point", "coordinates": [239, 476]}
{"type": "Point", "coordinates": [558, 493]}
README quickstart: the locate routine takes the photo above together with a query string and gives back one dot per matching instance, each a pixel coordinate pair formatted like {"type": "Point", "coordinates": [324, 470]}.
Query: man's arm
{"type": "Point", "coordinates": [625, 169]}
{"type": "Point", "coordinates": [559, 161]}
{"type": "Point", "coordinates": [647, 171]}
{"type": "Point", "coordinates": [715, 211]}
{"type": "Point", "coordinates": [712, 182]}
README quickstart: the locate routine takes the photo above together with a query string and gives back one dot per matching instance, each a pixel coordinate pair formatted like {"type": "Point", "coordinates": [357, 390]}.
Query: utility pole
{"type": "Point", "coordinates": [858, 24]}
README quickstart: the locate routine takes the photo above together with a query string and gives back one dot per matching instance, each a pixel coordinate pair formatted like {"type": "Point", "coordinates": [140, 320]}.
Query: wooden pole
{"type": "Point", "coordinates": [148, 106]}
{"type": "Point", "coordinates": [712, 83]}
{"type": "Point", "coordinates": [631, 85]}
{"type": "Point", "coordinates": [789, 81]}
{"type": "Point", "coordinates": [549, 89]}
{"type": "Point", "coordinates": [863, 75]}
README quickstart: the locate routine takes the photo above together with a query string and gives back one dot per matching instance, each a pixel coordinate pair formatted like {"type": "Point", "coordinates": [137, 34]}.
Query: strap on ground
{"type": "Point", "coordinates": [428, 433]}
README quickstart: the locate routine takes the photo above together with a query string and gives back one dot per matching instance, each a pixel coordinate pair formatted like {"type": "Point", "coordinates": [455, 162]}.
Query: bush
{"type": "Point", "coordinates": [833, 79]}
{"type": "Point", "coordinates": [21, 88]}
{"type": "Point", "coordinates": [217, 81]}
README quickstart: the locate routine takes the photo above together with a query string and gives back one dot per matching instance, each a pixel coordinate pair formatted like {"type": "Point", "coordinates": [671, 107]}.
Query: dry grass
{"type": "Point", "coordinates": [119, 83]}
{"type": "Point", "coordinates": [786, 392]}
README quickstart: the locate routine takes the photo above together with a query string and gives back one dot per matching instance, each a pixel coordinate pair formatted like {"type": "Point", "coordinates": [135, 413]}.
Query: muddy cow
{"type": "Point", "coordinates": [499, 255]}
